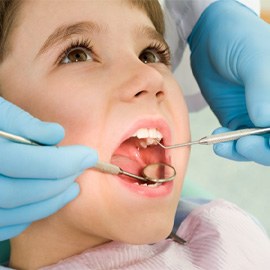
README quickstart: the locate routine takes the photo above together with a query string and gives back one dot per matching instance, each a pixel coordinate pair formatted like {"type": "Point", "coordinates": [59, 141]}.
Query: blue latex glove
{"type": "Point", "coordinates": [230, 59]}
{"type": "Point", "coordinates": [35, 181]}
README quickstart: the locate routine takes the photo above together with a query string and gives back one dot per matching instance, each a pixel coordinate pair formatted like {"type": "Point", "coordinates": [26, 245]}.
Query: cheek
{"type": "Point", "coordinates": [181, 131]}
{"type": "Point", "coordinates": [61, 94]}
{"type": "Point", "coordinates": [78, 107]}
{"type": "Point", "coordinates": [179, 112]}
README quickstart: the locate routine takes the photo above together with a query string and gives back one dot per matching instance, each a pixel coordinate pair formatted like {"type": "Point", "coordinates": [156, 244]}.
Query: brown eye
{"type": "Point", "coordinates": [77, 55]}
{"type": "Point", "coordinates": [149, 56]}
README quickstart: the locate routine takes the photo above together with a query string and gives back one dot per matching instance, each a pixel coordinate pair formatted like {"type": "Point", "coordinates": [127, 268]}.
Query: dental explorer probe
{"type": "Point", "coordinates": [221, 137]}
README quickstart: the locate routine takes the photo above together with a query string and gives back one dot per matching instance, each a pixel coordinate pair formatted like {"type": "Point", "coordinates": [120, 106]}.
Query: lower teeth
{"type": "Point", "coordinates": [148, 185]}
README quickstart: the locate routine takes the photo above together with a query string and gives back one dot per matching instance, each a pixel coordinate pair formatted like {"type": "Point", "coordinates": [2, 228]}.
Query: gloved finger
{"type": "Point", "coordinates": [37, 211]}
{"type": "Point", "coordinates": [254, 72]}
{"type": "Point", "coordinates": [255, 148]}
{"type": "Point", "coordinates": [227, 149]}
{"type": "Point", "coordinates": [19, 192]}
{"type": "Point", "coordinates": [16, 121]}
{"type": "Point", "coordinates": [46, 162]}
{"type": "Point", "coordinates": [258, 100]}
{"type": "Point", "coordinates": [240, 121]}
{"type": "Point", "coordinates": [12, 231]}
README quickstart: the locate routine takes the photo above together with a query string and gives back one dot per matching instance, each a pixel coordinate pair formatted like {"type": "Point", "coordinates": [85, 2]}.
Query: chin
{"type": "Point", "coordinates": [149, 235]}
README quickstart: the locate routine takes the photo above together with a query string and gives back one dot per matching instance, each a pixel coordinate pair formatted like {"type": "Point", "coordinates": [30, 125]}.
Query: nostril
{"type": "Point", "coordinates": [160, 95]}
{"type": "Point", "coordinates": [143, 92]}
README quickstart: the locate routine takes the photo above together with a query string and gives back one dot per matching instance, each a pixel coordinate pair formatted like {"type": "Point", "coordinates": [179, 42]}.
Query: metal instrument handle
{"type": "Point", "coordinates": [108, 168]}
{"type": "Point", "coordinates": [232, 135]}
{"type": "Point", "coordinates": [16, 138]}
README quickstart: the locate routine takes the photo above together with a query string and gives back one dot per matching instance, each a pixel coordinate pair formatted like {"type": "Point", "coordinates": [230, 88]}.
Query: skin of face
{"type": "Point", "coordinates": [96, 101]}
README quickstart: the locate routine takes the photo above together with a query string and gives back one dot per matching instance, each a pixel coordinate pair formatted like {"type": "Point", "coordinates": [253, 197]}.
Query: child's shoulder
{"type": "Point", "coordinates": [219, 209]}
{"type": "Point", "coordinates": [225, 233]}
{"type": "Point", "coordinates": [218, 215]}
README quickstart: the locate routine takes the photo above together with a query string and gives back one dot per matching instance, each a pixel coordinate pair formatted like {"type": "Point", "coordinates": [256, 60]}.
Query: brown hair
{"type": "Point", "coordinates": [153, 11]}
{"type": "Point", "coordinates": [9, 9]}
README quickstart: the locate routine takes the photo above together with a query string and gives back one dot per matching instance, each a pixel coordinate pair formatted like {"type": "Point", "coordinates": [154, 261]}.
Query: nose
{"type": "Point", "coordinates": [141, 81]}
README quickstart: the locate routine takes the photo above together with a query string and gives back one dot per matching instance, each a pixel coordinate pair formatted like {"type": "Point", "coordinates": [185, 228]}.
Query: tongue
{"type": "Point", "coordinates": [133, 158]}
{"type": "Point", "coordinates": [127, 164]}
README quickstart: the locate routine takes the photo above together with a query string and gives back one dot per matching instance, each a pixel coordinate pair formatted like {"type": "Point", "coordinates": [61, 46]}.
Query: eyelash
{"type": "Point", "coordinates": [161, 49]}
{"type": "Point", "coordinates": [83, 43]}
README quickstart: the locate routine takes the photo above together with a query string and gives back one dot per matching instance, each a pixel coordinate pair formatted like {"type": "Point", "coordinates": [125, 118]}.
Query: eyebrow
{"type": "Point", "coordinates": [65, 31]}
{"type": "Point", "coordinates": [150, 33]}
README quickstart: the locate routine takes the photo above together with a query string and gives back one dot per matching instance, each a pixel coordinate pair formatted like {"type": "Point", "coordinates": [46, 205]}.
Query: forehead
{"type": "Point", "coordinates": [41, 17]}
{"type": "Point", "coordinates": [37, 19]}
{"type": "Point", "coordinates": [65, 11]}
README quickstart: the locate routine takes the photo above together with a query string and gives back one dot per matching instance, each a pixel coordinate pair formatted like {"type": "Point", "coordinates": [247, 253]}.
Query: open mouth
{"type": "Point", "coordinates": [138, 151]}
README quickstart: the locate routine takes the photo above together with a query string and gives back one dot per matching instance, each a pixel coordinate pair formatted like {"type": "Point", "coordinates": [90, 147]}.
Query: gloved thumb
{"type": "Point", "coordinates": [253, 70]}
{"type": "Point", "coordinates": [258, 98]}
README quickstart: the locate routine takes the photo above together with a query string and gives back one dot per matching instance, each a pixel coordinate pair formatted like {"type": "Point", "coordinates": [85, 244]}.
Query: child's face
{"type": "Point", "coordinates": [101, 100]}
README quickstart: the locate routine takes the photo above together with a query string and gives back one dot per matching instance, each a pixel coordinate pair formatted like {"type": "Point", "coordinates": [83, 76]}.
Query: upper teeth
{"type": "Point", "coordinates": [151, 135]}
{"type": "Point", "coordinates": [148, 133]}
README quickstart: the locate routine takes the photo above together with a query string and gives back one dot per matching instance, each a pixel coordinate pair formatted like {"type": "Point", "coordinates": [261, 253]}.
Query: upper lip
{"type": "Point", "coordinates": [158, 123]}
{"type": "Point", "coordinates": [153, 122]}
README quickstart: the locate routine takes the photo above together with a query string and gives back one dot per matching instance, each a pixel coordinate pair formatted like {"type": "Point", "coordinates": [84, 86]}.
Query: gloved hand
{"type": "Point", "coordinates": [230, 58]}
{"type": "Point", "coordinates": [35, 181]}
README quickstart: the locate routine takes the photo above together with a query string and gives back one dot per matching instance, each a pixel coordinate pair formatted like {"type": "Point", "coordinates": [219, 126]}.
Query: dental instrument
{"type": "Point", "coordinates": [177, 239]}
{"type": "Point", "coordinates": [15, 138]}
{"type": "Point", "coordinates": [155, 172]}
{"type": "Point", "coordinates": [221, 137]}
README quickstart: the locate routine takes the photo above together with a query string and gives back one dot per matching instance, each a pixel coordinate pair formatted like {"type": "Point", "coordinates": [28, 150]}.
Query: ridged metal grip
{"type": "Point", "coordinates": [108, 168]}
{"type": "Point", "coordinates": [232, 135]}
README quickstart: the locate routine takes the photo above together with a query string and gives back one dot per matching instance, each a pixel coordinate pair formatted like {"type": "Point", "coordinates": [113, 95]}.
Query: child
{"type": "Point", "coordinates": [102, 70]}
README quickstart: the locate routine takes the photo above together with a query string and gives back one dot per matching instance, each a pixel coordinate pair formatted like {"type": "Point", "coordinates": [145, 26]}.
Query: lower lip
{"type": "Point", "coordinates": [160, 191]}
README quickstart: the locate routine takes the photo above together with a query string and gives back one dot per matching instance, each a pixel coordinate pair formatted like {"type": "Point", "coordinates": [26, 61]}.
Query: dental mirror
{"type": "Point", "coordinates": [155, 172]}
{"type": "Point", "coordinates": [159, 172]}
